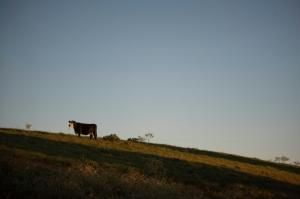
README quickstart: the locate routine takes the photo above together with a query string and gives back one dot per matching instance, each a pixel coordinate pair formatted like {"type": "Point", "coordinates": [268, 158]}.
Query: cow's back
{"type": "Point", "coordinates": [85, 128]}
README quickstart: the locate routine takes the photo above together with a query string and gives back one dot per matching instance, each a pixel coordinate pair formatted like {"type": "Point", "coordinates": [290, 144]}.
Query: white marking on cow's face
{"type": "Point", "coordinates": [71, 125]}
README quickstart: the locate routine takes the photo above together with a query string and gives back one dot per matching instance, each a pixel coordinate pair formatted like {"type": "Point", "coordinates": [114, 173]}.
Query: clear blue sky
{"type": "Point", "coordinates": [216, 75]}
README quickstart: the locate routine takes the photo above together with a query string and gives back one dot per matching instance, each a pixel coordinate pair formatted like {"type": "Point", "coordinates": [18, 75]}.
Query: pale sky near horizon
{"type": "Point", "coordinates": [215, 75]}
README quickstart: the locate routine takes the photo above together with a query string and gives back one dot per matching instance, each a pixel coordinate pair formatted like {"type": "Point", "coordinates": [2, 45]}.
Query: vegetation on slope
{"type": "Point", "coordinates": [48, 165]}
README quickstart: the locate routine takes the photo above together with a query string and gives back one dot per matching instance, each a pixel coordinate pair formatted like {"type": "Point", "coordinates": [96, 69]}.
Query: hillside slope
{"type": "Point", "coordinates": [48, 165]}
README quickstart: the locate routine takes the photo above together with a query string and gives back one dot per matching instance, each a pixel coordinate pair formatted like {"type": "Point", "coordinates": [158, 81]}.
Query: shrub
{"type": "Point", "coordinates": [133, 139]}
{"type": "Point", "coordinates": [149, 136]}
{"type": "Point", "coordinates": [111, 137]}
{"type": "Point", "coordinates": [138, 139]}
{"type": "Point", "coordinates": [28, 126]}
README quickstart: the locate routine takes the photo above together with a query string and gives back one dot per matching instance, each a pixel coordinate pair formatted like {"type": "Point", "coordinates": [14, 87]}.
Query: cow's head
{"type": "Point", "coordinates": [72, 123]}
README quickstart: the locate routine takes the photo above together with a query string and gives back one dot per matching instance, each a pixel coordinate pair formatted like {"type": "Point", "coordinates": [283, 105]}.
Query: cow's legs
{"type": "Point", "coordinates": [95, 134]}
{"type": "Point", "coordinates": [91, 136]}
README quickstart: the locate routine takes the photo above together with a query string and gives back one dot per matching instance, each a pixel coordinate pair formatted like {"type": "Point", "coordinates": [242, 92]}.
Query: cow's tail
{"type": "Point", "coordinates": [95, 133]}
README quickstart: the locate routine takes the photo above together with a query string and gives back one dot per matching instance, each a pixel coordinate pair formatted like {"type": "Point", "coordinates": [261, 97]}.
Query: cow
{"type": "Point", "coordinates": [85, 129]}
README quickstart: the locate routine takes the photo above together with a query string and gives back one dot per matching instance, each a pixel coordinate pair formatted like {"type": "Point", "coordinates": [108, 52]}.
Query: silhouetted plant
{"type": "Point", "coordinates": [111, 137]}
{"type": "Point", "coordinates": [133, 139]}
{"type": "Point", "coordinates": [28, 126]}
{"type": "Point", "coordinates": [284, 159]}
{"type": "Point", "coordinates": [149, 136]}
{"type": "Point", "coordinates": [277, 159]}
{"type": "Point", "coordinates": [281, 159]}
{"type": "Point", "coordinates": [141, 139]}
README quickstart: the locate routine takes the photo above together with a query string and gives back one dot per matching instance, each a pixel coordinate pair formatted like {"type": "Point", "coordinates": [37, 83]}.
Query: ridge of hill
{"type": "Point", "coordinates": [39, 164]}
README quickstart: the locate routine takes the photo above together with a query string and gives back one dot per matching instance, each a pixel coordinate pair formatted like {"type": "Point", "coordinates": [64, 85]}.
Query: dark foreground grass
{"type": "Point", "coordinates": [254, 161]}
{"type": "Point", "coordinates": [42, 165]}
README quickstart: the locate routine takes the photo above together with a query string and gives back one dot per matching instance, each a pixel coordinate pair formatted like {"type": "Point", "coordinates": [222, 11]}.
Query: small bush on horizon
{"type": "Point", "coordinates": [138, 139]}
{"type": "Point", "coordinates": [133, 139]}
{"type": "Point", "coordinates": [28, 126]}
{"type": "Point", "coordinates": [111, 137]}
{"type": "Point", "coordinates": [149, 136]}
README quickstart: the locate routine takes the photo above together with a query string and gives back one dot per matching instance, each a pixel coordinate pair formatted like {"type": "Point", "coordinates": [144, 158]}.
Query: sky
{"type": "Point", "coordinates": [215, 75]}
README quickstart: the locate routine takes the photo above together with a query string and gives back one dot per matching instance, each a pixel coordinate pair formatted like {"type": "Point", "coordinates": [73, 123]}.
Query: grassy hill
{"type": "Point", "coordinates": [48, 165]}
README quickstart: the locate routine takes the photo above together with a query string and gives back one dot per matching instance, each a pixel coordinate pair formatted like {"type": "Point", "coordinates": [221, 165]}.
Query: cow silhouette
{"type": "Point", "coordinates": [84, 129]}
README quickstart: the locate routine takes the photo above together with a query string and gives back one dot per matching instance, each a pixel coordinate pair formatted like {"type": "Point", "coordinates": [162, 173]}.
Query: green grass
{"type": "Point", "coordinates": [48, 165]}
